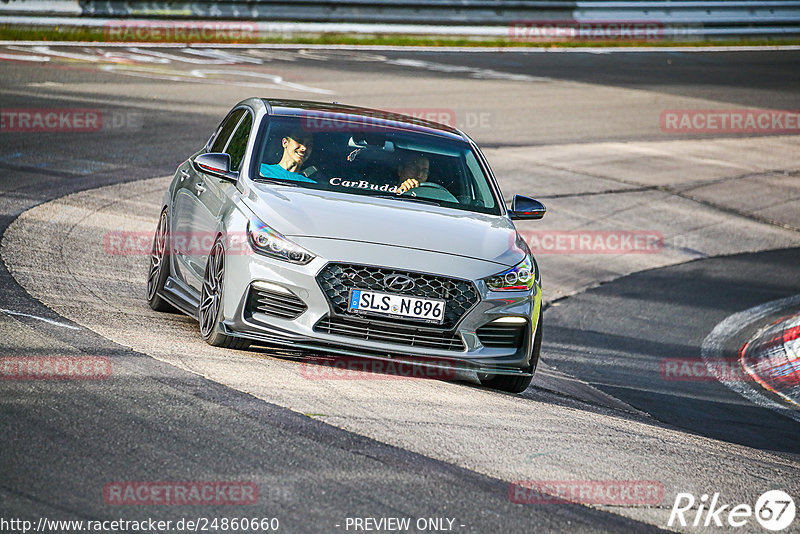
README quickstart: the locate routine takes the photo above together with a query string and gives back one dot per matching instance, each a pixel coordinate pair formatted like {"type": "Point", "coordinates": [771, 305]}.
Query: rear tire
{"type": "Point", "coordinates": [211, 302]}
{"type": "Point", "coordinates": [517, 384]}
{"type": "Point", "coordinates": [159, 267]}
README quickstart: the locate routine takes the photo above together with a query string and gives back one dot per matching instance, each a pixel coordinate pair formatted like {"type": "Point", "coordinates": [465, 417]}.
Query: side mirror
{"type": "Point", "coordinates": [526, 208]}
{"type": "Point", "coordinates": [216, 165]}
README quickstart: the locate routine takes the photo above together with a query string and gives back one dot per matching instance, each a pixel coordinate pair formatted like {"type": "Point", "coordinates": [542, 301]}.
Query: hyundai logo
{"type": "Point", "coordinates": [398, 282]}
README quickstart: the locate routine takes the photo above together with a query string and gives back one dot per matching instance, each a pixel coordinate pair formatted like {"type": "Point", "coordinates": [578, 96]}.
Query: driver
{"type": "Point", "coordinates": [412, 171]}
{"type": "Point", "coordinates": [297, 146]}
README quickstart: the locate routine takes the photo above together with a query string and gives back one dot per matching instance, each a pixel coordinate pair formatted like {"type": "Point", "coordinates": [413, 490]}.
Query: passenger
{"type": "Point", "coordinates": [297, 146]}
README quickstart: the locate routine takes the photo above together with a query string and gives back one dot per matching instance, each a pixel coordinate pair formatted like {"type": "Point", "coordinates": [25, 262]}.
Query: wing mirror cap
{"type": "Point", "coordinates": [216, 164]}
{"type": "Point", "coordinates": [526, 208]}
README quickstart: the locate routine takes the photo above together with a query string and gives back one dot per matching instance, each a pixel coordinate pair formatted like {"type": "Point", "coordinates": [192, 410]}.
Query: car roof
{"type": "Point", "coordinates": [380, 118]}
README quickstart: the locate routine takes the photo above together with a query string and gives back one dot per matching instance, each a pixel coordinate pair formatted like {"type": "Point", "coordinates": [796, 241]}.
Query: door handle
{"type": "Point", "coordinates": [200, 188]}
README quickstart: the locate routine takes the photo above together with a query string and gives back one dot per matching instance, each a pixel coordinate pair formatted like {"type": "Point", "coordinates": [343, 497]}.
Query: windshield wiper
{"type": "Point", "coordinates": [411, 199]}
{"type": "Point", "coordinates": [276, 181]}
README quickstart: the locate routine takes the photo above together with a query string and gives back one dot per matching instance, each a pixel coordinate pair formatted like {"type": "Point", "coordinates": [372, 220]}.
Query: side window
{"type": "Point", "coordinates": [484, 195]}
{"type": "Point", "coordinates": [238, 144]}
{"type": "Point", "coordinates": [225, 130]}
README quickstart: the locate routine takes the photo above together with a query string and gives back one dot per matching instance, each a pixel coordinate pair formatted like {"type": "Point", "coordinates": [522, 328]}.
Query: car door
{"type": "Point", "coordinates": [216, 191]}
{"type": "Point", "coordinates": [187, 238]}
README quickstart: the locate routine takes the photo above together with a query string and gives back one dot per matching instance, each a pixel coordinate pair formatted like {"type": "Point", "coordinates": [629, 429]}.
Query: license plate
{"type": "Point", "coordinates": [393, 305]}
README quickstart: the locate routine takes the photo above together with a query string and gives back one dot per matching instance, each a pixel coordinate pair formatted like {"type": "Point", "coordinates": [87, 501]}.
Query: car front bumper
{"type": "Point", "coordinates": [473, 349]}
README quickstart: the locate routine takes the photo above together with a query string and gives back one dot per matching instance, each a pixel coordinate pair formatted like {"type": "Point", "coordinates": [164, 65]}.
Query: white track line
{"type": "Point", "coordinates": [50, 321]}
{"type": "Point", "coordinates": [713, 344]}
{"type": "Point", "coordinates": [26, 57]}
{"type": "Point", "coordinates": [45, 50]}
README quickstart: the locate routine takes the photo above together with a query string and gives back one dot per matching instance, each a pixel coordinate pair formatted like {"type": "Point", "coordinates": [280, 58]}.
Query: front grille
{"type": "Point", "coordinates": [428, 338]}
{"type": "Point", "coordinates": [337, 279]}
{"type": "Point", "coordinates": [274, 303]}
{"type": "Point", "coordinates": [498, 335]}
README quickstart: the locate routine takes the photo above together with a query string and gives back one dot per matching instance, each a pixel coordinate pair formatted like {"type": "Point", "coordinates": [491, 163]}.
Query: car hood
{"type": "Point", "coordinates": [306, 213]}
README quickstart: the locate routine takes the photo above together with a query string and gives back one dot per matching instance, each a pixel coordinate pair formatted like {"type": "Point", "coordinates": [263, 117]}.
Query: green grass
{"type": "Point", "coordinates": [39, 33]}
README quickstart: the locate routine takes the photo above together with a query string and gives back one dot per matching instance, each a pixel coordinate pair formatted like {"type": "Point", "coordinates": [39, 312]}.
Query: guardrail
{"type": "Point", "coordinates": [714, 18]}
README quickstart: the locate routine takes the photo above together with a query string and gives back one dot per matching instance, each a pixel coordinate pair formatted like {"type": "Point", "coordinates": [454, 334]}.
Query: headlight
{"type": "Point", "coordinates": [267, 241]}
{"type": "Point", "coordinates": [521, 277]}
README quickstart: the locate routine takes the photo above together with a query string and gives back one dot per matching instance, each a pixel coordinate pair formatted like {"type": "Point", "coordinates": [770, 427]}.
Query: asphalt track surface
{"type": "Point", "coordinates": [616, 336]}
{"type": "Point", "coordinates": [745, 78]}
{"type": "Point", "coordinates": [63, 441]}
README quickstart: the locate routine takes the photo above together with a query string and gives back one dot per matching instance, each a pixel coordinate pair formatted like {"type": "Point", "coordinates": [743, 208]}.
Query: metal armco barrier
{"type": "Point", "coordinates": [713, 18]}
{"type": "Point", "coordinates": [444, 12]}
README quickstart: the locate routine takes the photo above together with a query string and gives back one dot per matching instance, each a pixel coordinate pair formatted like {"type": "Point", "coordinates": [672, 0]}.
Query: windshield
{"type": "Point", "coordinates": [364, 159]}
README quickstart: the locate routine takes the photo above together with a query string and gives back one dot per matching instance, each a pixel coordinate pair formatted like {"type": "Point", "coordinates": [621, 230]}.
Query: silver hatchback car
{"type": "Point", "coordinates": [353, 231]}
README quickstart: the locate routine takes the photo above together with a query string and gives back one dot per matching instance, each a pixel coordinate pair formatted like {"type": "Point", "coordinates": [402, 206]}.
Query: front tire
{"type": "Point", "coordinates": [211, 302]}
{"type": "Point", "coordinates": [517, 384]}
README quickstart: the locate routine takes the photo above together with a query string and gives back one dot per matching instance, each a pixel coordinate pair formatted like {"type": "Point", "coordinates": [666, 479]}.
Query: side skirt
{"type": "Point", "coordinates": [181, 296]}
